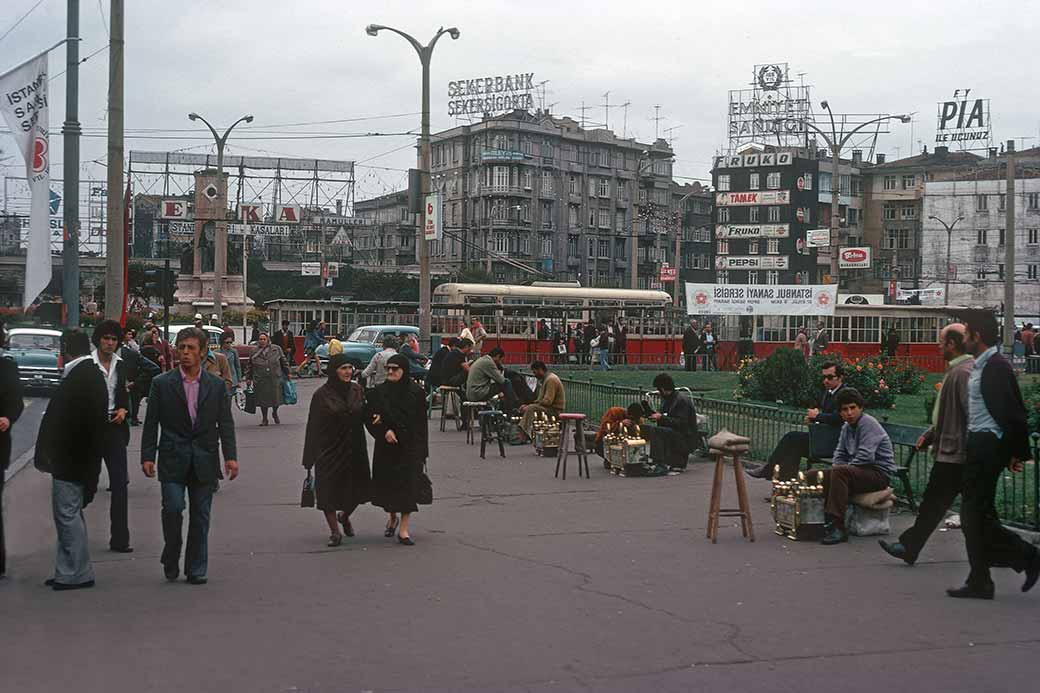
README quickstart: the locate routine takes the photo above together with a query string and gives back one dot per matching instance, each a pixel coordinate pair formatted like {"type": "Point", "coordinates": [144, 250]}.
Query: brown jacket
{"type": "Point", "coordinates": [550, 394]}
{"type": "Point", "coordinates": [948, 434]}
{"type": "Point", "coordinates": [218, 365]}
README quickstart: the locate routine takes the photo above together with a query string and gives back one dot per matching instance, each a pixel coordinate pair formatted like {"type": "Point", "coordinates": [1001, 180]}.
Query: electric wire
{"type": "Point", "coordinates": [21, 19]}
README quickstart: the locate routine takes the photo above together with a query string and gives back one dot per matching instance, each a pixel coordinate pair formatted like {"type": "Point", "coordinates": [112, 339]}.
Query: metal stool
{"type": "Point", "coordinates": [469, 419]}
{"type": "Point", "coordinates": [715, 511]}
{"type": "Point", "coordinates": [491, 428]}
{"type": "Point", "coordinates": [572, 441]}
{"type": "Point", "coordinates": [449, 392]}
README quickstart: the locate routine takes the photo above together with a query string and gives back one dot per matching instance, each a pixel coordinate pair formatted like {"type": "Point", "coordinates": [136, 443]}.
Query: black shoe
{"type": "Point", "coordinates": [970, 592]}
{"type": "Point", "coordinates": [49, 582]}
{"type": "Point", "coordinates": [348, 529]}
{"type": "Point", "coordinates": [896, 549]}
{"type": "Point", "coordinates": [391, 529]}
{"type": "Point", "coordinates": [121, 549]}
{"type": "Point", "coordinates": [1032, 573]}
{"type": "Point", "coordinates": [196, 580]}
{"type": "Point", "coordinates": [836, 535]}
{"type": "Point", "coordinates": [760, 472]}
{"type": "Point", "coordinates": [171, 572]}
{"type": "Point", "coordinates": [407, 541]}
{"type": "Point", "coordinates": [62, 587]}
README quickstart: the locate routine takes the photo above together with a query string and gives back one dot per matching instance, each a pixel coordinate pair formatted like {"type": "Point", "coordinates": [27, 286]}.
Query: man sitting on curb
{"type": "Point", "coordinates": [863, 462]}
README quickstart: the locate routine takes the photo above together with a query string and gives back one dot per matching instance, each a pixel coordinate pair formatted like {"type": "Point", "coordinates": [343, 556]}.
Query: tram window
{"type": "Point", "coordinates": [922, 330]}
{"type": "Point", "coordinates": [771, 328]}
{"type": "Point", "coordinates": [864, 329]}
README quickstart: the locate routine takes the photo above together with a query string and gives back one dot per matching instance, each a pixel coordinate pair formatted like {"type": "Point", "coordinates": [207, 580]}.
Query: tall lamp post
{"type": "Point", "coordinates": [836, 142]}
{"type": "Point", "coordinates": [949, 239]}
{"type": "Point", "coordinates": [680, 217]}
{"type": "Point", "coordinates": [220, 239]}
{"type": "Point", "coordinates": [425, 54]}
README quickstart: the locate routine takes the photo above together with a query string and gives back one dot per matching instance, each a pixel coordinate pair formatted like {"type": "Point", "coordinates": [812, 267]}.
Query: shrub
{"type": "Point", "coordinates": [1031, 395]}
{"type": "Point", "coordinates": [780, 377]}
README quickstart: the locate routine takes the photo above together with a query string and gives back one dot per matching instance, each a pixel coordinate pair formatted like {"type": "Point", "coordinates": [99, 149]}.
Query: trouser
{"type": "Point", "coordinates": [263, 412]}
{"type": "Point", "coordinates": [669, 447]}
{"type": "Point", "coordinates": [710, 361]}
{"type": "Point", "coordinates": [509, 400]}
{"type": "Point", "coordinates": [989, 543]}
{"type": "Point", "coordinates": [200, 501]}
{"type": "Point", "coordinates": [944, 483]}
{"type": "Point", "coordinates": [604, 359]}
{"type": "Point", "coordinates": [842, 481]}
{"type": "Point", "coordinates": [788, 454]}
{"type": "Point", "coordinates": [114, 454]}
{"type": "Point", "coordinates": [72, 559]}
{"type": "Point", "coordinates": [691, 361]}
{"type": "Point", "coordinates": [3, 547]}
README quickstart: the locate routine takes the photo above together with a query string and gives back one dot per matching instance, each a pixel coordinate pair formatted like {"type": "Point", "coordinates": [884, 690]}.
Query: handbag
{"type": "Point", "coordinates": [424, 492]}
{"type": "Point", "coordinates": [307, 496]}
{"type": "Point", "coordinates": [250, 406]}
{"type": "Point", "coordinates": [289, 392]}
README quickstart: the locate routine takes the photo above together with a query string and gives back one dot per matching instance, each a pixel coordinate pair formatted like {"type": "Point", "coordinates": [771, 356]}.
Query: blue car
{"type": "Point", "coordinates": [366, 341]}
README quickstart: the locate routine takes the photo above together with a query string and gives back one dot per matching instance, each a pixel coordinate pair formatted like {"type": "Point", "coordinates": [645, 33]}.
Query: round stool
{"type": "Point", "coordinates": [572, 439]}
{"type": "Point", "coordinates": [469, 418]}
{"type": "Point", "coordinates": [450, 397]}
{"type": "Point", "coordinates": [491, 428]}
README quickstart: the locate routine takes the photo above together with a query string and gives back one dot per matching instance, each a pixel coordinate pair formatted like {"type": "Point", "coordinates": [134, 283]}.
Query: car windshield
{"type": "Point", "coordinates": [363, 335]}
{"type": "Point", "coordinates": [49, 342]}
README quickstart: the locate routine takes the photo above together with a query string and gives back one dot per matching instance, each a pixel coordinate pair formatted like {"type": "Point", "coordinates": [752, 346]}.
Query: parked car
{"type": "Point", "coordinates": [366, 341]}
{"type": "Point", "coordinates": [37, 352]}
{"type": "Point", "coordinates": [214, 332]}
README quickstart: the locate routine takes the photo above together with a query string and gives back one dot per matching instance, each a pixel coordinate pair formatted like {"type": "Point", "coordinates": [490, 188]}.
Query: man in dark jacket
{"type": "Point", "coordinates": [433, 377]}
{"type": "Point", "coordinates": [794, 445]}
{"type": "Point", "coordinates": [11, 405]}
{"type": "Point", "coordinates": [285, 339]}
{"type": "Point", "coordinates": [676, 434]}
{"type": "Point", "coordinates": [998, 440]}
{"type": "Point", "coordinates": [139, 373]}
{"type": "Point", "coordinates": [69, 445]}
{"type": "Point", "coordinates": [193, 408]}
{"type": "Point", "coordinates": [691, 346]}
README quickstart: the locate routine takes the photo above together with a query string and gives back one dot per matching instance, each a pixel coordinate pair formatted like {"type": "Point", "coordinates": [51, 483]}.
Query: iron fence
{"type": "Point", "coordinates": [1018, 495]}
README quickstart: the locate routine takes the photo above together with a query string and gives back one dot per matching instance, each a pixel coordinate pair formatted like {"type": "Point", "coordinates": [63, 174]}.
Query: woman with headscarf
{"type": "Point", "coordinates": [267, 367]}
{"type": "Point", "coordinates": [397, 420]}
{"type": "Point", "coordinates": [335, 446]}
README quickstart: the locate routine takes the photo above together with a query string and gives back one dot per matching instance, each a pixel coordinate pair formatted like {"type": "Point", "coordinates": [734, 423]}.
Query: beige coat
{"type": "Point", "coordinates": [948, 434]}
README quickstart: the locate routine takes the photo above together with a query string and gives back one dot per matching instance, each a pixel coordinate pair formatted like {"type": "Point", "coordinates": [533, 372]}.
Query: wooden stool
{"type": "Point", "coordinates": [572, 441]}
{"type": "Point", "coordinates": [715, 511]}
{"type": "Point", "coordinates": [449, 393]}
{"type": "Point", "coordinates": [491, 428]}
{"type": "Point", "coordinates": [469, 418]}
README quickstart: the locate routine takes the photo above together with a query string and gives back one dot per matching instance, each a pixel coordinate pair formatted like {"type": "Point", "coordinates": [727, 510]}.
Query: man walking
{"type": "Point", "coordinates": [691, 344]}
{"type": "Point", "coordinates": [284, 338]}
{"type": "Point", "coordinates": [193, 409]}
{"type": "Point", "coordinates": [69, 445]}
{"type": "Point", "coordinates": [947, 438]}
{"type": "Point", "coordinates": [11, 405]}
{"type": "Point", "coordinates": [998, 439]}
{"type": "Point", "coordinates": [106, 339]}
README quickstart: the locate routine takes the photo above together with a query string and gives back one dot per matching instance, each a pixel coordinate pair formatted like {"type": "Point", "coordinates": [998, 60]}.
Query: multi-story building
{"type": "Point", "coordinates": [850, 212]}
{"type": "Point", "coordinates": [694, 202]}
{"type": "Point", "coordinates": [764, 203]}
{"type": "Point", "coordinates": [387, 238]}
{"type": "Point", "coordinates": [893, 212]}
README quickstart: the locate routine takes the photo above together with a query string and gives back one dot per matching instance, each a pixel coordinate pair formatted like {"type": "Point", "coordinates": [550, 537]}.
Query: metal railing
{"type": "Point", "coordinates": [1018, 495]}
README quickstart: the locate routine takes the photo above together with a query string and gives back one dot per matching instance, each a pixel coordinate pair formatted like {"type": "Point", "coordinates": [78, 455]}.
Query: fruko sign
{"type": "Point", "coordinates": [854, 258]}
{"type": "Point", "coordinates": [751, 262]}
{"type": "Point", "coordinates": [764, 159]}
{"type": "Point", "coordinates": [777, 299]}
{"type": "Point", "coordinates": [747, 199]}
{"type": "Point", "coordinates": [751, 231]}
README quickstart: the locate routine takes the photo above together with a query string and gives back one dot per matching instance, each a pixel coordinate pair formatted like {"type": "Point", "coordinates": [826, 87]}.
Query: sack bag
{"type": "Point", "coordinates": [307, 496]}
{"type": "Point", "coordinates": [289, 392]}
{"type": "Point", "coordinates": [595, 342]}
{"type": "Point", "coordinates": [250, 407]}
{"type": "Point", "coordinates": [424, 492]}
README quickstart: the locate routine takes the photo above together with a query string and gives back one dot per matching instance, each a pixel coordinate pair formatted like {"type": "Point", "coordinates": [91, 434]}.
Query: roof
{"type": "Point", "coordinates": [932, 159]}
{"type": "Point", "coordinates": [399, 328]}
{"type": "Point", "coordinates": [33, 330]}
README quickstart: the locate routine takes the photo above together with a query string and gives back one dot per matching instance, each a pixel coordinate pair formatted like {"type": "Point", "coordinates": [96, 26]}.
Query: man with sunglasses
{"type": "Point", "coordinates": [795, 444]}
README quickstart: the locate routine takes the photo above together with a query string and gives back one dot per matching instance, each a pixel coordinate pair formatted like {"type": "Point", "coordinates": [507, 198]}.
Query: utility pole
{"type": "Point", "coordinates": [949, 241]}
{"type": "Point", "coordinates": [115, 238]}
{"type": "Point", "coordinates": [1009, 251]}
{"type": "Point", "coordinates": [71, 131]}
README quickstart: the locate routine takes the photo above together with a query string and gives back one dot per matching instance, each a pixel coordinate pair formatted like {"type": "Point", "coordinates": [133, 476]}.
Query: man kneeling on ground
{"type": "Point", "coordinates": [676, 434]}
{"type": "Point", "coordinates": [863, 462]}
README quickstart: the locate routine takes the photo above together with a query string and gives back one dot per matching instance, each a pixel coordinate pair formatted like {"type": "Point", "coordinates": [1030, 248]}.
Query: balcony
{"type": "Point", "coordinates": [981, 253]}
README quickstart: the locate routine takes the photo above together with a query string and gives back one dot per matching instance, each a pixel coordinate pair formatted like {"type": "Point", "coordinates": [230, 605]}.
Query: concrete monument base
{"type": "Point", "coordinates": [195, 293]}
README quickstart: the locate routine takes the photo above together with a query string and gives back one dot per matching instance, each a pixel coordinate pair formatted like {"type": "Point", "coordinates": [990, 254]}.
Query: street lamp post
{"type": "Point", "coordinates": [425, 54]}
{"type": "Point", "coordinates": [836, 143]}
{"type": "Point", "coordinates": [220, 235]}
{"type": "Point", "coordinates": [680, 215]}
{"type": "Point", "coordinates": [949, 240]}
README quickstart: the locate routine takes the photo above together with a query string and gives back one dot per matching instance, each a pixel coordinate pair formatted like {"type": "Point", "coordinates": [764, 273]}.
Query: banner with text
{"type": "Point", "coordinates": [776, 299]}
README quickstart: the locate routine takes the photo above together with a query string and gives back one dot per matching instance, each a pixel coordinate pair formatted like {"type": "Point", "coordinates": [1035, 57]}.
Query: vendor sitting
{"type": "Point", "coordinates": [863, 462]}
{"type": "Point", "coordinates": [549, 399]}
{"type": "Point", "coordinates": [486, 379]}
{"type": "Point", "coordinates": [675, 435]}
{"type": "Point", "coordinates": [615, 419]}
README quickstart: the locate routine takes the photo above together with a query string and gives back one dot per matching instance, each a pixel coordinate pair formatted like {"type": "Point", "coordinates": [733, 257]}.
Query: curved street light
{"type": "Point", "coordinates": [220, 235]}
{"type": "Point", "coordinates": [425, 54]}
{"type": "Point", "coordinates": [949, 239]}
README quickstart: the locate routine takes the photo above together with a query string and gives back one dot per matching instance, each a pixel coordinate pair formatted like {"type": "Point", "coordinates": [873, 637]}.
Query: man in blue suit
{"type": "Point", "coordinates": [193, 409]}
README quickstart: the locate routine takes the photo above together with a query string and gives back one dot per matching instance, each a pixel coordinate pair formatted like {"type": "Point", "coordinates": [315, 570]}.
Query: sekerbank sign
{"type": "Point", "coordinates": [491, 94]}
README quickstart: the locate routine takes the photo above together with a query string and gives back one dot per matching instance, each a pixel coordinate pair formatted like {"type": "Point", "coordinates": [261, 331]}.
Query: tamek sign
{"type": "Point", "coordinates": [963, 121]}
{"type": "Point", "coordinates": [747, 199]}
{"type": "Point", "coordinates": [491, 94]}
{"type": "Point", "coordinates": [751, 231]}
{"type": "Point", "coordinates": [854, 258]}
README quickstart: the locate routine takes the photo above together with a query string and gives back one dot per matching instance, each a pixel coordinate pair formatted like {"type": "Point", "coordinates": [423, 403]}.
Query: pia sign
{"type": "Point", "coordinates": [963, 120]}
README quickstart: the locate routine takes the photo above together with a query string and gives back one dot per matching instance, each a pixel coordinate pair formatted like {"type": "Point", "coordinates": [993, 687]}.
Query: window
{"type": "Point", "coordinates": [572, 216]}
{"type": "Point", "coordinates": [501, 242]}
{"type": "Point", "coordinates": [604, 218]}
{"type": "Point", "coordinates": [604, 248]}
{"type": "Point", "coordinates": [773, 246]}
{"type": "Point", "coordinates": [723, 183]}
{"type": "Point", "coordinates": [753, 214]}
{"type": "Point", "coordinates": [1032, 236]}
{"type": "Point", "coordinates": [572, 185]}
{"type": "Point", "coordinates": [547, 150]}
{"type": "Point", "coordinates": [752, 277]}
{"type": "Point", "coordinates": [981, 203]}
{"type": "Point", "coordinates": [774, 214]}
{"type": "Point", "coordinates": [980, 273]}
{"type": "Point", "coordinates": [722, 277]}
{"type": "Point", "coordinates": [772, 277]}
{"type": "Point", "coordinates": [525, 212]}
{"type": "Point", "coordinates": [889, 212]}
{"type": "Point", "coordinates": [525, 245]}
{"type": "Point", "coordinates": [844, 184]}
{"type": "Point", "coordinates": [807, 179]}
{"type": "Point", "coordinates": [501, 180]}
{"type": "Point", "coordinates": [592, 247]}
{"type": "Point", "coordinates": [621, 190]}
{"type": "Point", "coordinates": [853, 217]}
{"type": "Point", "coordinates": [1000, 271]}
{"type": "Point", "coordinates": [908, 212]}
{"type": "Point", "coordinates": [546, 244]}
{"type": "Point", "coordinates": [723, 248]}
{"type": "Point", "coordinates": [890, 182]}
{"type": "Point", "coordinates": [1002, 202]}
{"type": "Point", "coordinates": [603, 187]}
{"type": "Point", "coordinates": [752, 248]}
{"type": "Point", "coordinates": [1033, 201]}
{"type": "Point", "coordinates": [755, 182]}
{"type": "Point", "coordinates": [1031, 271]}
{"type": "Point", "coordinates": [982, 236]}
{"type": "Point", "coordinates": [619, 221]}
{"type": "Point", "coordinates": [1000, 236]}
{"type": "Point", "coordinates": [592, 186]}
{"type": "Point", "coordinates": [773, 181]}
{"type": "Point", "coordinates": [909, 182]}
{"type": "Point", "coordinates": [897, 239]}
{"type": "Point", "coordinates": [723, 215]}
{"type": "Point", "coordinates": [547, 182]}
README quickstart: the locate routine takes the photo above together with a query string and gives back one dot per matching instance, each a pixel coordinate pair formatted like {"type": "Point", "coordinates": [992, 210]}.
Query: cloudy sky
{"type": "Point", "coordinates": [310, 62]}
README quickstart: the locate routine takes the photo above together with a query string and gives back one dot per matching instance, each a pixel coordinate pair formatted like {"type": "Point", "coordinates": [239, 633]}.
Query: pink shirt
{"type": "Point", "coordinates": [191, 392]}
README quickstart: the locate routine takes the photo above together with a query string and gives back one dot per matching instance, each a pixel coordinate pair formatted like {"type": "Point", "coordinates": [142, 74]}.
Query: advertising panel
{"type": "Point", "coordinates": [432, 227]}
{"type": "Point", "coordinates": [747, 199]}
{"type": "Point", "coordinates": [963, 121]}
{"type": "Point", "coordinates": [778, 299]}
{"type": "Point", "coordinates": [751, 231]}
{"type": "Point", "coordinates": [854, 258]}
{"type": "Point", "coordinates": [751, 262]}
{"type": "Point", "coordinates": [817, 238]}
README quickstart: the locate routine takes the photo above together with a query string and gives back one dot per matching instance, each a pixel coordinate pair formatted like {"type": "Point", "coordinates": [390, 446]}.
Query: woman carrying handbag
{"type": "Point", "coordinates": [267, 370]}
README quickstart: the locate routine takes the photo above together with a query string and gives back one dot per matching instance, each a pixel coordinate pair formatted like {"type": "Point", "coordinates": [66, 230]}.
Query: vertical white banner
{"type": "Point", "coordinates": [23, 101]}
{"type": "Point", "coordinates": [433, 227]}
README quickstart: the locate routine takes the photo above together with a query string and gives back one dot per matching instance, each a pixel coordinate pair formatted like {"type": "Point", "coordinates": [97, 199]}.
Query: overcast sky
{"type": "Point", "coordinates": [310, 60]}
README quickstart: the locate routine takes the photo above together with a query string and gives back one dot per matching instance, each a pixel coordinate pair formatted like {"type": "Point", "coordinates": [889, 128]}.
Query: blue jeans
{"type": "Point", "coordinates": [72, 560]}
{"type": "Point", "coordinates": [200, 500]}
{"type": "Point", "coordinates": [604, 359]}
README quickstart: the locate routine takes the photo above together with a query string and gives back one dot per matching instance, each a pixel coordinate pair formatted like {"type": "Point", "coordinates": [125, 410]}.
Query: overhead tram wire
{"type": "Point", "coordinates": [21, 19]}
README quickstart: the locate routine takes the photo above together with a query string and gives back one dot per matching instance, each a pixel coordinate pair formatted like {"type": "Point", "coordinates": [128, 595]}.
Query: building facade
{"type": "Point", "coordinates": [850, 214]}
{"type": "Point", "coordinates": [386, 240]}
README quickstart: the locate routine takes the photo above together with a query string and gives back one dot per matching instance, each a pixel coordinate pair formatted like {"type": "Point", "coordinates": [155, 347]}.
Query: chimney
{"type": "Point", "coordinates": [880, 159]}
{"type": "Point", "coordinates": [339, 208]}
{"type": "Point", "coordinates": [924, 150]}
{"type": "Point", "coordinates": [941, 152]}
{"type": "Point", "coordinates": [857, 157]}
{"type": "Point", "coordinates": [993, 152]}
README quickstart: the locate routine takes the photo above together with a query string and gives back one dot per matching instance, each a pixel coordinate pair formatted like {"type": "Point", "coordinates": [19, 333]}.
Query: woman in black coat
{"type": "Point", "coordinates": [335, 447]}
{"type": "Point", "coordinates": [397, 421]}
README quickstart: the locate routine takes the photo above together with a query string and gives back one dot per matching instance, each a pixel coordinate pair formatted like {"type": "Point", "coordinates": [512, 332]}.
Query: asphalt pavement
{"type": "Point", "coordinates": [518, 581]}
